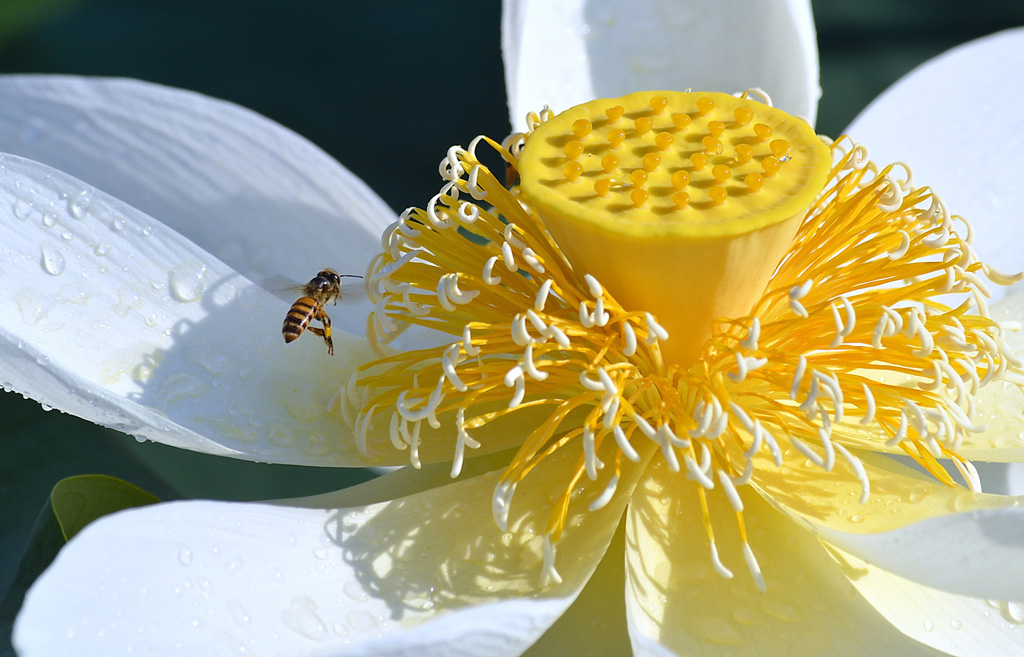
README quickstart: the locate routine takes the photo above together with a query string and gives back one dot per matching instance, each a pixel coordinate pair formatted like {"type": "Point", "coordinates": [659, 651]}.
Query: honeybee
{"type": "Point", "coordinates": [322, 289]}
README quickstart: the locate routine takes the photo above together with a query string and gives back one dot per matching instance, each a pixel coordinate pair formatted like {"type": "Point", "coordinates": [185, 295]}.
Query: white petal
{"type": "Point", "coordinates": [677, 604]}
{"type": "Point", "coordinates": [109, 315]}
{"type": "Point", "coordinates": [955, 625]}
{"type": "Point", "coordinates": [970, 90]}
{"type": "Point", "coordinates": [253, 193]}
{"type": "Point", "coordinates": [562, 54]}
{"type": "Point", "coordinates": [918, 528]}
{"type": "Point", "coordinates": [427, 575]}
{"type": "Point", "coordinates": [978, 553]}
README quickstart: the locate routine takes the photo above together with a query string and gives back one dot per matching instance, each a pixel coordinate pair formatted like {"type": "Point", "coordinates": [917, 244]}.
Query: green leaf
{"type": "Point", "coordinates": [77, 501]}
{"type": "Point", "coordinates": [74, 503]}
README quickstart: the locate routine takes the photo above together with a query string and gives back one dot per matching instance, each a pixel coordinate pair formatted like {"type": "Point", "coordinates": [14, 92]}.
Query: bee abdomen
{"type": "Point", "coordinates": [298, 317]}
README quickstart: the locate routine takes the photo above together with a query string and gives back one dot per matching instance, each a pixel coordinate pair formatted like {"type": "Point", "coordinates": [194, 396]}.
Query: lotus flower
{"type": "Point", "coordinates": [810, 542]}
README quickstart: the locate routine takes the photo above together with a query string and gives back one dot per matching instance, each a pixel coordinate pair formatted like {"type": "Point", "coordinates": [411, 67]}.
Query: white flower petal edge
{"type": "Point", "coordinates": [678, 604]}
{"type": "Point", "coordinates": [110, 315]}
{"type": "Point", "coordinates": [956, 625]}
{"type": "Point", "coordinates": [429, 574]}
{"type": "Point", "coordinates": [566, 53]}
{"type": "Point", "coordinates": [909, 514]}
{"type": "Point", "coordinates": [965, 92]}
{"type": "Point", "coordinates": [253, 193]}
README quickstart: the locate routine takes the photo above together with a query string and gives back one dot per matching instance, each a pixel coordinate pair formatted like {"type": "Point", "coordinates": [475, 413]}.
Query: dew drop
{"type": "Point", "coordinates": [49, 219]}
{"type": "Point", "coordinates": [320, 553]}
{"type": "Point", "coordinates": [929, 626]}
{"type": "Point", "coordinates": [78, 205]}
{"type": "Point", "coordinates": [184, 556]}
{"type": "Point", "coordinates": [956, 624]}
{"type": "Point", "coordinates": [1015, 611]}
{"type": "Point", "coordinates": [147, 231]}
{"type": "Point", "coordinates": [102, 249]}
{"type": "Point", "coordinates": [22, 209]}
{"type": "Point", "coordinates": [53, 262]}
{"type": "Point", "coordinates": [187, 281]}
{"type": "Point", "coordinates": [301, 617]}
{"type": "Point", "coordinates": [238, 613]}
{"type": "Point", "coordinates": [66, 235]}
{"type": "Point", "coordinates": [118, 224]}
{"type": "Point", "coordinates": [353, 590]}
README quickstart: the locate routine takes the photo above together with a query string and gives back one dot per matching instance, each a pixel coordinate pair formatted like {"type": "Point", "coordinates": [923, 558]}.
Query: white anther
{"type": "Point", "coordinates": [508, 257]}
{"type": "Point", "coordinates": [362, 427]}
{"type": "Point", "coordinates": [741, 369]}
{"type": "Point", "coordinates": [807, 451]}
{"type": "Point", "coordinates": [606, 495]}
{"type": "Point", "coordinates": [655, 331]}
{"type": "Point", "coordinates": [667, 436]}
{"type": "Point", "coordinates": [610, 406]}
{"type": "Point", "coordinates": [645, 427]}
{"type": "Point", "coordinates": [542, 295]}
{"type": "Point", "coordinates": [392, 267]}
{"type": "Point", "coordinates": [442, 293]}
{"type": "Point", "coordinates": [394, 434]}
{"type": "Point", "coordinates": [938, 240]}
{"type": "Point", "coordinates": [489, 278]}
{"type": "Point", "coordinates": [901, 432]}
{"type": "Point", "coordinates": [832, 388]}
{"type": "Point", "coordinates": [754, 568]}
{"type": "Point", "coordinates": [595, 288]}
{"type": "Point", "coordinates": [537, 322]}
{"type": "Point", "coordinates": [773, 447]}
{"type": "Point", "coordinates": [627, 330]}
{"type": "Point", "coordinates": [467, 343]}
{"type": "Point", "coordinates": [702, 416]}
{"type": "Point", "coordinates": [501, 502]}
{"type": "Point", "coordinates": [798, 292]}
{"type": "Point", "coordinates": [869, 400]}
{"type": "Point", "coordinates": [730, 491]}
{"type": "Point", "coordinates": [753, 334]}
{"type": "Point", "coordinates": [462, 441]}
{"type": "Point", "coordinates": [531, 367]}
{"type": "Point", "coordinates": [548, 575]}
{"type": "Point", "coordinates": [451, 358]}
{"type": "Point", "coordinates": [927, 342]}
{"type": "Point", "coordinates": [742, 416]}
{"type": "Point", "coordinates": [999, 278]}
{"type": "Point", "coordinates": [591, 384]}
{"type": "Point", "coordinates": [586, 319]}
{"type": "Point", "coordinates": [435, 220]}
{"type": "Point", "coordinates": [798, 376]}
{"type": "Point", "coordinates": [838, 339]}
{"type": "Point", "coordinates": [717, 563]}
{"type": "Point", "coordinates": [825, 436]}
{"type": "Point", "coordinates": [810, 404]}
{"type": "Point", "coordinates": [601, 316]}
{"type": "Point", "coordinates": [694, 472]}
{"type": "Point", "coordinates": [520, 335]}
{"type": "Point", "coordinates": [936, 377]}
{"type": "Point", "coordinates": [590, 461]}
{"type": "Point", "coordinates": [902, 249]}
{"type": "Point", "coordinates": [472, 185]}
{"type": "Point", "coordinates": [514, 377]}
{"type": "Point", "coordinates": [454, 293]}
{"type": "Point", "coordinates": [969, 474]}
{"type": "Point", "coordinates": [509, 233]}
{"type": "Point", "coordinates": [469, 212]}
{"type": "Point", "coordinates": [559, 335]}
{"type": "Point", "coordinates": [533, 260]}
{"type": "Point", "coordinates": [748, 473]}
{"type": "Point", "coordinates": [623, 442]}
{"type": "Point", "coordinates": [892, 198]}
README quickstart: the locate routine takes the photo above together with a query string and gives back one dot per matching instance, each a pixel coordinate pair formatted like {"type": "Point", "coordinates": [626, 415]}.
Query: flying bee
{"type": "Point", "coordinates": [322, 289]}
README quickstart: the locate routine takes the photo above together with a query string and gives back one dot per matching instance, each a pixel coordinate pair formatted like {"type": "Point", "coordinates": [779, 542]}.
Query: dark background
{"type": "Point", "coordinates": [384, 89]}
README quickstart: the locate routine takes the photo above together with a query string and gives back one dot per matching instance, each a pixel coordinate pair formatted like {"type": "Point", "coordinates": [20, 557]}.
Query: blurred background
{"type": "Point", "coordinates": [329, 70]}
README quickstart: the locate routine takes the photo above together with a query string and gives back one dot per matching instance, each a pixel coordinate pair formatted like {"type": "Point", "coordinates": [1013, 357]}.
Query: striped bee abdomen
{"type": "Point", "coordinates": [298, 317]}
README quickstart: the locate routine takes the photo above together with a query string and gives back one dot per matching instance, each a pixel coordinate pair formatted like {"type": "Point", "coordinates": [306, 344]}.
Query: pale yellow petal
{"type": "Point", "coordinates": [956, 625]}
{"type": "Point", "coordinates": [675, 598]}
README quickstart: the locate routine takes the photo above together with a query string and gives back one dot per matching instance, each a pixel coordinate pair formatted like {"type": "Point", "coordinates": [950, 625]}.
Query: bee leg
{"type": "Point", "coordinates": [325, 332]}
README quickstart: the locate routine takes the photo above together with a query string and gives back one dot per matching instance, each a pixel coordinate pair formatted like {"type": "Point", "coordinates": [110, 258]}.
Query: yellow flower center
{"type": "Point", "coordinates": [800, 293]}
{"type": "Point", "coordinates": [681, 204]}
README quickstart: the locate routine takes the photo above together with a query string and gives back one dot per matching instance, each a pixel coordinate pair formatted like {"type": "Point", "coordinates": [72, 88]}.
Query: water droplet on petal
{"type": "Point", "coordinates": [78, 205]}
{"type": "Point", "coordinates": [188, 282]}
{"type": "Point", "coordinates": [118, 224]}
{"type": "Point", "coordinates": [102, 249]}
{"type": "Point", "coordinates": [22, 209]}
{"type": "Point", "coordinates": [238, 612]}
{"type": "Point", "coordinates": [301, 617]}
{"type": "Point", "coordinates": [49, 219]}
{"type": "Point", "coordinates": [184, 556]}
{"type": "Point", "coordinates": [53, 262]}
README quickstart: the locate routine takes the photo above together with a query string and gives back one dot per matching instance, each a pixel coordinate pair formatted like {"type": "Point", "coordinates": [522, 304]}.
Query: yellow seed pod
{"type": "Point", "coordinates": [680, 221]}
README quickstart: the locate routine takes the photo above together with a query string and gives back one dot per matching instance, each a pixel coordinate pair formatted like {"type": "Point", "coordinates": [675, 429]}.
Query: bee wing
{"type": "Point", "coordinates": [284, 288]}
{"type": "Point", "coordinates": [353, 289]}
